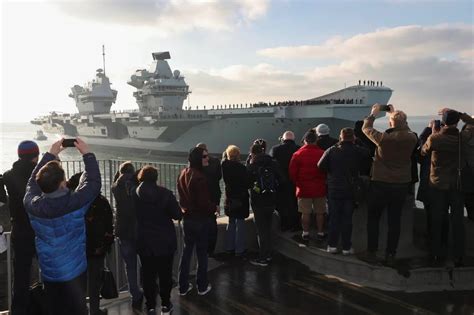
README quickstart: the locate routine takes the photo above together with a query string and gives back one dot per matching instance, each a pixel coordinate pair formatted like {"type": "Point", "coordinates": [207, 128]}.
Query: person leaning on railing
{"type": "Point", "coordinates": [57, 217]}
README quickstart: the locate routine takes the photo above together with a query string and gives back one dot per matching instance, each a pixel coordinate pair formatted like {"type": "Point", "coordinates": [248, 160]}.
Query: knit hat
{"type": "Point", "coordinates": [195, 157]}
{"type": "Point", "coordinates": [310, 137]}
{"type": "Point", "coordinates": [28, 150]}
{"type": "Point", "coordinates": [322, 130]}
{"type": "Point", "coordinates": [450, 117]}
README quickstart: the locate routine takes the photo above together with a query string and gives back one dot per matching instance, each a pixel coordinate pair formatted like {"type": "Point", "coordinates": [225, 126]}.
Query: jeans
{"type": "Point", "coordinates": [67, 297]}
{"type": "Point", "coordinates": [263, 221]}
{"type": "Point", "coordinates": [235, 236]}
{"type": "Point", "coordinates": [385, 196]}
{"type": "Point", "coordinates": [23, 253]}
{"type": "Point", "coordinates": [340, 222]}
{"type": "Point", "coordinates": [95, 265]}
{"type": "Point", "coordinates": [128, 250]}
{"type": "Point", "coordinates": [196, 233]}
{"type": "Point", "coordinates": [442, 201]}
{"type": "Point", "coordinates": [160, 267]}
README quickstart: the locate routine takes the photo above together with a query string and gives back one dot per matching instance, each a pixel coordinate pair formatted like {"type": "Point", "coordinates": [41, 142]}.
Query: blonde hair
{"type": "Point", "coordinates": [399, 118]}
{"type": "Point", "coordinates": [232, 152]}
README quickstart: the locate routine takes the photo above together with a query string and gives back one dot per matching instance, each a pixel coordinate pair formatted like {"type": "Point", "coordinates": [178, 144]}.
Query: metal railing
{"type": "Point", "coordinates": [168, 174]}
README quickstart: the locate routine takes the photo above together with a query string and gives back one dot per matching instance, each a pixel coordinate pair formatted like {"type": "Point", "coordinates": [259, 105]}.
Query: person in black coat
{"type": "Point", "coordinates": [99, 239]}
{"type": "Point", "coordinates": [213, 174]}
{"type": "Point", "coordinates": [126, 227]}
{"type": "Point", "coordinates": [156, 208]}
{"type": "Point", "coordinates": [236, 204]}
{"type": "Point", "coordinates": [263, 199]}
{"type": "Point", "coordinates": [23, 236]}
{"type": "Point", "coordinates": [286, 204]}
{"type": "Point", "coordinates": [342, 162]}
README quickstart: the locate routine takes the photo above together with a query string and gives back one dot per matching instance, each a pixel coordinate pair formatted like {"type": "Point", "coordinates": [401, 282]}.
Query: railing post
{"type": "Point", "coordinates": [9, 270]}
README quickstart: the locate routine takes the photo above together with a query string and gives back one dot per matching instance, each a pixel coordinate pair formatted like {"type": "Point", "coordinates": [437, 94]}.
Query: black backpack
{"type": "Point", "coordinates": [266, 181]}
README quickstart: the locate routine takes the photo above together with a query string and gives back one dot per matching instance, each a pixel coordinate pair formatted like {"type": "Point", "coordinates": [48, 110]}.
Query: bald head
{"type": "Point", "coordinates": [288, 135]}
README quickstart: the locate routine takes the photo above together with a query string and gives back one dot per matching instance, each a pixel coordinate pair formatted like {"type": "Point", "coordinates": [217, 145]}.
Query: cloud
{"type": "Point", "coordinates": [169, 16]}
{"type": "Point", "coordinates": [401, 43]}
{"type": "Point", "coordinates": [427, 67]}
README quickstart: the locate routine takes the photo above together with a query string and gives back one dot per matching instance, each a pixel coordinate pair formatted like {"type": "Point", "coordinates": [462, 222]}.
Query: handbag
{"type": "Point", "coordinates": [109, 288]}
{"type": "Point", "coordinates": [465, 180]}
{"type": "Point", "coordinates": [38, 304]}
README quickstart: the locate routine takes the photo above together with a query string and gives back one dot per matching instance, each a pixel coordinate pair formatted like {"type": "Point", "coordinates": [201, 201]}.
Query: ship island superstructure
{"type": "Point", "coordinates": [161, 124]}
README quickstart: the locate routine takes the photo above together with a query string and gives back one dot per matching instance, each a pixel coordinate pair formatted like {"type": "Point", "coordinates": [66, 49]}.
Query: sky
{"type": "Point", "coordinates": [238, 51]}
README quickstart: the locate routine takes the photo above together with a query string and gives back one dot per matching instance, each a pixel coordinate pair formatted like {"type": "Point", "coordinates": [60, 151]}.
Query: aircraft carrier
{"type": "Point", "coordinates": [162, 125]}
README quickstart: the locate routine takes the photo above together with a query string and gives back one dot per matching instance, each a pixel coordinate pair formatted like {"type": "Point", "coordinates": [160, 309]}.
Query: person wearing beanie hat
{"type": "Point", "coordinates": [447, 157]}
{"type": "Point", "coordinates": [28, 150]}
{"type": "Point", "coordinates": [23, 236]}
{"type": "Point", "coordinates": [324, 140]}
{"type": "Point", "coordinates": [198, 208]}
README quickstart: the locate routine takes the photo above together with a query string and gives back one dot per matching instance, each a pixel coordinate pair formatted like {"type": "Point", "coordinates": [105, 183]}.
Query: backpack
{"type": "Point", "coordinates": [266, 182]}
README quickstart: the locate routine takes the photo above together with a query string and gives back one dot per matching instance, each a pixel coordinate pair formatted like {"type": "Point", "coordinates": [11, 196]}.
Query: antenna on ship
{"type": "Point", "coordinates": [103, 57]}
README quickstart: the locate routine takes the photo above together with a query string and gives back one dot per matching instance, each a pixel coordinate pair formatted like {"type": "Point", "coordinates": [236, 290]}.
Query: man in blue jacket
{"type": "Point", "coordinates": [57, 217]}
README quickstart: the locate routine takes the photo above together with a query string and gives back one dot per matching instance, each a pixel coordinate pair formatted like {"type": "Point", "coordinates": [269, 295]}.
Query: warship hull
{"type": "Point", "coordinates": [218, 130]}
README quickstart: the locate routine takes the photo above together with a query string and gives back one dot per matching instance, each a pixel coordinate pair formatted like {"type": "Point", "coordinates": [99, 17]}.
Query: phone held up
{"type": "Point", "coordinates": [437, 124]}
{"type": "Point", "coordinates": [68, 143]}
{"type": "Point", "coordinates": [384, 108]}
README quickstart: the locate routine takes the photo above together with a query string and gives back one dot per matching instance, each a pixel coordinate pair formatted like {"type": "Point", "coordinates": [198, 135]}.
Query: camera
{"type": "Point", "coordinates": [68, 143]}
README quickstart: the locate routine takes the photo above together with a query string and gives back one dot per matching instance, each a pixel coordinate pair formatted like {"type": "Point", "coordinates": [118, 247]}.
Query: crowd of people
{"type": "Point", "coordinates": [70, 226]}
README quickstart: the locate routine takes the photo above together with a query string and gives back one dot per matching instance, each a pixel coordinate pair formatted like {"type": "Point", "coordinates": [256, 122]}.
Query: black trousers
{"type": "Point", "coordinates": [67, 298]}
{"type": "Point", "coordinates": [95, 265]}
{"type": "Point", "coordinates": [469, 204]}
{"type": "Point", "coordinates": [157, 267]}
{"type": "Point", "coordinates": [287, 206]}
{"type": "Point", "coordinates": [23, 253]}
{"type": "Point", "coordinates": [385, 196]}
{"type": "Point", "coordinates": [212, 241]}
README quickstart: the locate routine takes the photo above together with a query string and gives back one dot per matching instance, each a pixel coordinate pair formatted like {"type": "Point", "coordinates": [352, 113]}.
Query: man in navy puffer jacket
{"type": "Point", "coordinates": [57, 217]}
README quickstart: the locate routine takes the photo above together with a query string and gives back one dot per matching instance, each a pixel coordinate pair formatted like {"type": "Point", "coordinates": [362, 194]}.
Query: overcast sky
{"type": "Point", "coordinates": [238, 51]}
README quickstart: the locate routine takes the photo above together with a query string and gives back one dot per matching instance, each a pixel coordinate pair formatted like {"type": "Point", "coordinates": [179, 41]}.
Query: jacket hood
{"type": "Point", "coordinates": [195, 158]}
{"type": "Point", "coordinates": [263, 159]}
{"type": "Point", "coordinates": [147, 191]}
{"type": "Point", "coordinates": [24, 166]}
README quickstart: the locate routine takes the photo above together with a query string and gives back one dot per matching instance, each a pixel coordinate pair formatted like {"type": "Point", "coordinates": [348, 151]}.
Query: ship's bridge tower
{"type": "Point", "coordinates": [159, 90]}
{"type": "Point", "coordinates": [95, 97]}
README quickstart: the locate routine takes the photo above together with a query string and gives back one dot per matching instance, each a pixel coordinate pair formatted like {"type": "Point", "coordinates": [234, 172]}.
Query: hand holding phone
{"type": "Point", "coordinates": [437, 124]}
{"type": "Point", "coordinates": [385, 108]}
{"type": "Point", "coordinates": [68, 143]}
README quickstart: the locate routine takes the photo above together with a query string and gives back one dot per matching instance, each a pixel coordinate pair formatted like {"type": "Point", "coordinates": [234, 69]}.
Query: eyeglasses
{"type": "Point", "coordinates": [205, 156]}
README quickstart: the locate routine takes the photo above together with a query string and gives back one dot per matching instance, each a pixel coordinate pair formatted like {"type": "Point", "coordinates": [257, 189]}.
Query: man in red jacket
{"type": "Point", "coordinates": [310, 184]}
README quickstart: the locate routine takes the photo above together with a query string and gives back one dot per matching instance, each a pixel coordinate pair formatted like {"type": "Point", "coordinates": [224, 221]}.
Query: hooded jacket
{"type": "Point", "coordinates": [15, 181]}
{"type": "Point", "coordinates": [126, 219]}
{"type": "Point", "coordinates": [310, 181]}
{"type": "Point", "coordinates": [58, 221]}
{"type": "Point", "coordinates": [194, 196]}
{"type": "Point", "coordinates": [156, 208]}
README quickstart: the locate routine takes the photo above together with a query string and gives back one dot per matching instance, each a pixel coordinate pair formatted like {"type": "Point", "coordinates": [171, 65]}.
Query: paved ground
{"type": "Point", "coordinates": [288, 287]}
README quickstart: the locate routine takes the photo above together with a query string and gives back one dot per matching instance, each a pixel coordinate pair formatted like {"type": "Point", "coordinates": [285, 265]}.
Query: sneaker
{"type": "Point", "coordinates": [259, 262]}
{"type": "Point", "coordinates": [269, 259]}
{"type": "Point", "coordinates": [208, 289]}
{"type": "Point", "coordinates": [101, 312]}
{"type": "Point", "coordinates": [305, 237]}
{"type": "Point", "coordinates": [165, 310]}
{"type": "Point", "coordinates": [350, 251]}
{"type": "Point", "coordinates": [190, 287]}
{"type": "Point", "coordinates": [151, 311]}
{"type": "Point", "coordinates": [332, 250]}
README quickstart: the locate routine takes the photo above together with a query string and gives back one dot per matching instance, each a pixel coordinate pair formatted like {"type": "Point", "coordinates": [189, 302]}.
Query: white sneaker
{"type": "Point", "coordinates": [348, 252]}
{"type": "Point", "coordinates": [332, 250]}
{"type": "Point", "coordinates": [183, 293]}
{"type": "Point", "coordinates": [208, 289]}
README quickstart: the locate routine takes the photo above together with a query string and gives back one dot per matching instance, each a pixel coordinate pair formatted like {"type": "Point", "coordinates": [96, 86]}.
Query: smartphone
{"type": "Point", "coordinates": [67, 143]}
{"type": "Point", "coordinates": [437, 124]}
{"type": "Point", "coordinates": [385, 108]}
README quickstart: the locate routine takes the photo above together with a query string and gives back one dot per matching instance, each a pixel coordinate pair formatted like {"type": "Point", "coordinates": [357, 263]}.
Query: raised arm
{"type": "Point", "coordinates": [32, 188]}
